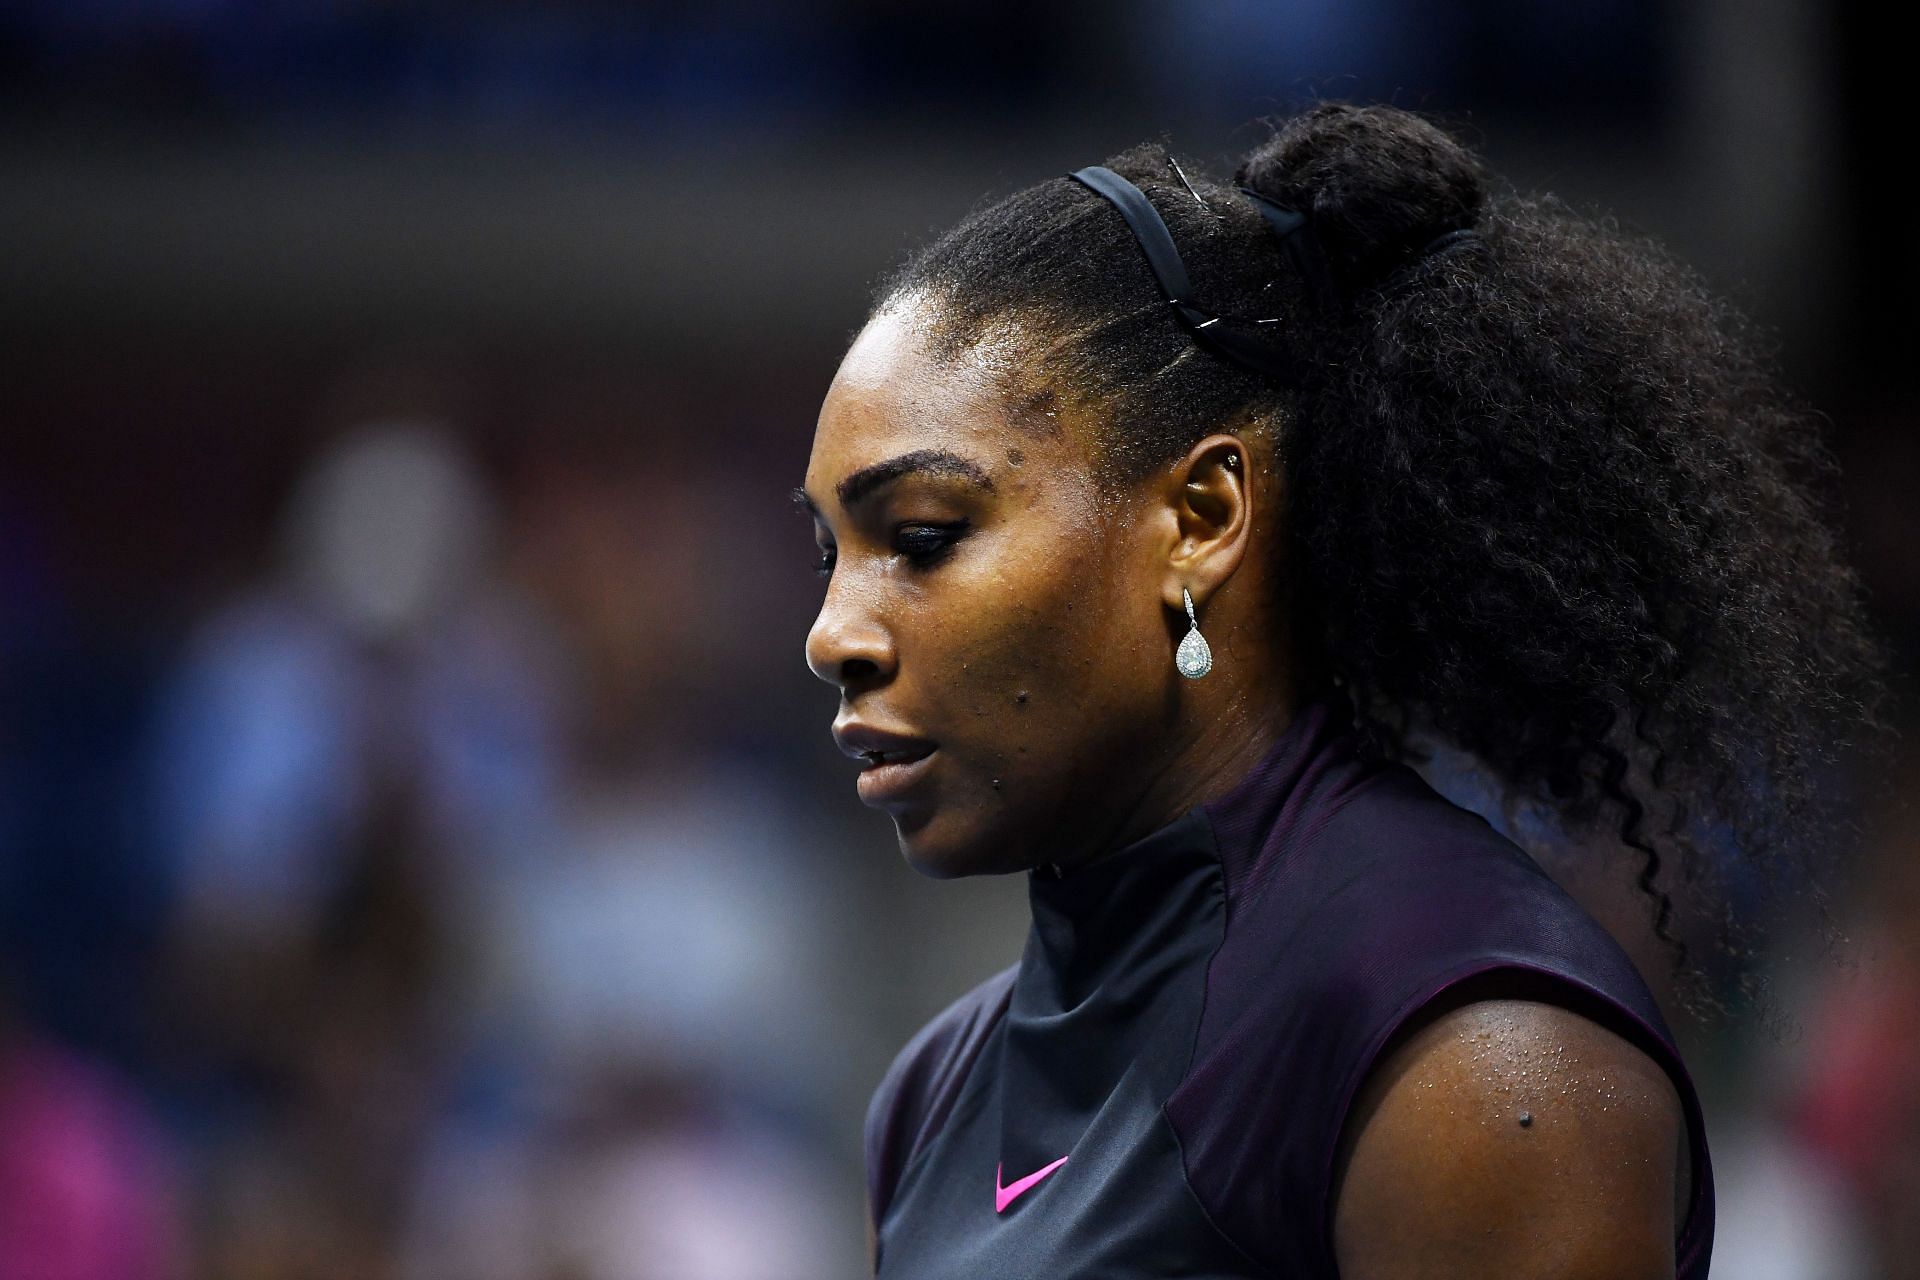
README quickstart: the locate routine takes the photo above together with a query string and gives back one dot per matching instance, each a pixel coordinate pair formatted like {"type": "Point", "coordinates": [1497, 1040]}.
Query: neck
{"type": "Point", "coordinates": [1222, 729]}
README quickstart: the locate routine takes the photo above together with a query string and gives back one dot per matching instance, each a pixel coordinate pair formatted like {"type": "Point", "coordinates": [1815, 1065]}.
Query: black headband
{"type": "Point", "coordinates": [1157, 243]}
{"type": "Point", "coordinates": [1290, 226]}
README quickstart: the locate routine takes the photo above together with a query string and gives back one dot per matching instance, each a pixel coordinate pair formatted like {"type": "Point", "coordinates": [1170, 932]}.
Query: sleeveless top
{"type": "Point", "coordinates": [1193, 1015]}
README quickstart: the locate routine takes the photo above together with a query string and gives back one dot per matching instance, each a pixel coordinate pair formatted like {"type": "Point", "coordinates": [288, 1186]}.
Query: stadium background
{"type": "Point", "coordinates": [421, 850]}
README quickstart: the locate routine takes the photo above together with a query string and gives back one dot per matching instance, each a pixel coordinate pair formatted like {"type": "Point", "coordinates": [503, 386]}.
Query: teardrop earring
{"type": "Point", "coordinates": [1193, 659]}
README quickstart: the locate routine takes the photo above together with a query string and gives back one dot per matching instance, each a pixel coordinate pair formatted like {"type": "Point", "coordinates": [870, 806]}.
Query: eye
{"type": "Point", "coordinates": [923, 544]}
{"type": "Point", "coordinates": [824, 566]}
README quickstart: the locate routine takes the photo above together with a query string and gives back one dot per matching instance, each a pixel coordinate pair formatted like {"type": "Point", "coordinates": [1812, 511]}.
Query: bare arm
{"type": "Point", "coordinates": [1511, 1138]}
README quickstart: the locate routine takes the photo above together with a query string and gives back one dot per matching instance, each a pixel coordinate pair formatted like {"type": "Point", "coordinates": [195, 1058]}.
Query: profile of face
{"type": "Point", "coordinates": [1000, 625]}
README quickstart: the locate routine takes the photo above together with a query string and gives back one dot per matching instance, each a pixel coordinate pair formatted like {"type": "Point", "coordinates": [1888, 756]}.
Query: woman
{"type": "Point", "coordinates": [1159, 516]}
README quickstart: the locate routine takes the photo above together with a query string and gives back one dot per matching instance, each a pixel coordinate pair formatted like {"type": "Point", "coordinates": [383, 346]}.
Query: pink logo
{"type": "Point", "coordinates": [1004, 1196]}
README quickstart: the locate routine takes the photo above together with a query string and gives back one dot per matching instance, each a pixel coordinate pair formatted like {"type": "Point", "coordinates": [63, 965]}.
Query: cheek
{"type": "Point", "coordinates": [1051, 668]}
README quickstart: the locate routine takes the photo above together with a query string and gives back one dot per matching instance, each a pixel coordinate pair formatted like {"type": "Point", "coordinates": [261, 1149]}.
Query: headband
{"type": "Point", "coordinates": [1290, 226]}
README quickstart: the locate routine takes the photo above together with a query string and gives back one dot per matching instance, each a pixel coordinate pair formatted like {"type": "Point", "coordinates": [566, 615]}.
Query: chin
{"type": "Point", "coordinates": [942, 848]}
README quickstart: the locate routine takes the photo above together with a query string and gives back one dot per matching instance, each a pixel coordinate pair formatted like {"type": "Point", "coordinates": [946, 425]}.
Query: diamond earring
{"type": "Point", "coordinates": [1193, 658]}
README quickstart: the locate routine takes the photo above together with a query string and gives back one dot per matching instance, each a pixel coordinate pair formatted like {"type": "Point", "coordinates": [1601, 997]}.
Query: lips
{"type": "Point", "coordinates": [892, 762]}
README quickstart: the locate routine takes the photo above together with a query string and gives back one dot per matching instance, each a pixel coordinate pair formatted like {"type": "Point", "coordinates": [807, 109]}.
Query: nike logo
{"type": "Point", "coordinates": [1004, 1196]}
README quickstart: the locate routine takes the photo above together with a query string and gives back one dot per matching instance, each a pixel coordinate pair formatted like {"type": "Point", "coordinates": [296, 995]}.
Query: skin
{"type": "Point", "coordinates": [1437, 1177]}
{"type": "Point", "coordinates": [988, 593]}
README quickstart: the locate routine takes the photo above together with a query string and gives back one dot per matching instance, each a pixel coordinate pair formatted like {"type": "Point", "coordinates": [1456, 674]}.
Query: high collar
{"type": "Point", "coordinates": [1113, 979]}
{"type": "Point", "coordinates": [1113, 911]}
{"type": "Point", "coordinates": [1101, 916]}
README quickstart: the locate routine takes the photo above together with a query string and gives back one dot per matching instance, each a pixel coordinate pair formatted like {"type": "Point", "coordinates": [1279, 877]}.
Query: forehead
{"type": "Point", "coordinates": [890, 396]}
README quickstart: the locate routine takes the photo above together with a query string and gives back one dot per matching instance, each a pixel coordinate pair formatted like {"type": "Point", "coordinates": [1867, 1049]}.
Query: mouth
{"type": "Point", "coordinates": [890, 762]}
{"type": "Point", "coordinates": [886, 776]}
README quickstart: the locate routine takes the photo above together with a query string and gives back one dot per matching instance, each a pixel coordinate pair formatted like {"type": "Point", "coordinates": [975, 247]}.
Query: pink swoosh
{"type": "Point", "coordinates": [1004, 1196]}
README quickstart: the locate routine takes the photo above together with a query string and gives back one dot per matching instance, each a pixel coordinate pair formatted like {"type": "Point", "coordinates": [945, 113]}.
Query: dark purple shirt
{"type": "Point", "coordinates": [1193, 1015]}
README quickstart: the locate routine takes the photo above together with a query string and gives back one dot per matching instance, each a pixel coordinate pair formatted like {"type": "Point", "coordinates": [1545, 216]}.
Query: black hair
{"type": "Point", "coordinates": [1544, 500]}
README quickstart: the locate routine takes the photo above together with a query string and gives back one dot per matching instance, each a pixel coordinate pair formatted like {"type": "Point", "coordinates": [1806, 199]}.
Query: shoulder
{"type": "Point", "coordinates": [1374, 918]}
{"type": "Point", "coordinates": [920, 1087]}
{"type": "Point", "coordinates": [1509, 1136]}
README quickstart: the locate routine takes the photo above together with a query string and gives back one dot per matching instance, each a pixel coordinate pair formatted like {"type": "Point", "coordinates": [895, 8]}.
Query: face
{"type": "Point", "coordinates": [992, 619]}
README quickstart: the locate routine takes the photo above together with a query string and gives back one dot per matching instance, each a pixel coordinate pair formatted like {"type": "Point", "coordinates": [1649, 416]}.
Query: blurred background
{"type": "Point", "coordinates": [421, 849]}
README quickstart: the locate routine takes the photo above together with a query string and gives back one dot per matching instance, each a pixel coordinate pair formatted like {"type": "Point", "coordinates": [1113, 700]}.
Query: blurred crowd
{"type": "Point", "coordinates": [421, 851]}
{"type": "Point", "coordinates": [469, 934]}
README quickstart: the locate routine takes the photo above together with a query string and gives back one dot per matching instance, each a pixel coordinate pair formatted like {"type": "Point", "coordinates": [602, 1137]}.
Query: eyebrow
{"type": "Point", "coordinates": [862, 483]}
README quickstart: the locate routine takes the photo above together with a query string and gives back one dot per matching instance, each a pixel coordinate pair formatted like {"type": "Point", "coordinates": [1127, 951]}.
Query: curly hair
{"type": "Point", "coordinates": [1544, 500]}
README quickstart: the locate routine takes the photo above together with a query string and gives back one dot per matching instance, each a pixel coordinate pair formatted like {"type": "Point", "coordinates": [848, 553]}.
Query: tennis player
{"type": "Point", "coordinates": [1163, 520]}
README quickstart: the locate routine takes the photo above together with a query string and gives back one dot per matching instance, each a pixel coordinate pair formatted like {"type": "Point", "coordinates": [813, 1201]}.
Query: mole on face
{"type": "Point", "coordinates": [1526, 1119]}
{"type": "Point", "coordinates": [1020, 698]}
{"type": "Point", "coordinates": [1015, 457]}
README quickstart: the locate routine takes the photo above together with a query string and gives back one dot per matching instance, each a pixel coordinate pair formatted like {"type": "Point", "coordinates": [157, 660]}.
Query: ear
{"type": "Point", "coordinates": [1209, 500]}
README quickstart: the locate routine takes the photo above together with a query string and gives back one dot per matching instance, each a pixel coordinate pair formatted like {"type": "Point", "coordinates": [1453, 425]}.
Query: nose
{"type": "Point", "coordinates": [847, 646]}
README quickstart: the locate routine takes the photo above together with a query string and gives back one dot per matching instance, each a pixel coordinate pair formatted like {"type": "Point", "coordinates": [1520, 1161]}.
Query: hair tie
{"type": "Point", "coordinates": [1440, 246]}
{"type": "Point", "coordinates": [1295, 232]}
{"type": "Point", "coordinates": [1446, 242]}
